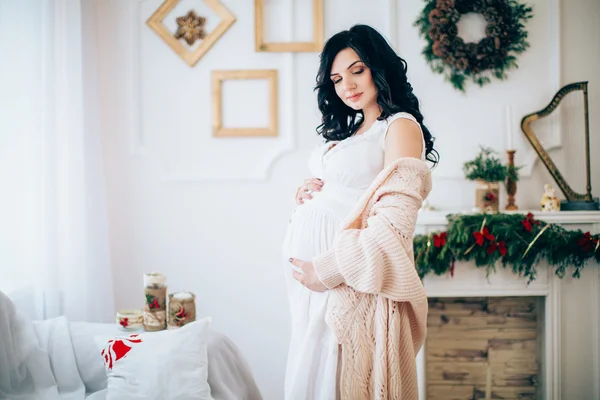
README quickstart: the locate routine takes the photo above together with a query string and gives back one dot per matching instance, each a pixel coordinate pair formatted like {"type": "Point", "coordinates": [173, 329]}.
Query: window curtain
{"type": "Point", "coordinates": [64, 266]}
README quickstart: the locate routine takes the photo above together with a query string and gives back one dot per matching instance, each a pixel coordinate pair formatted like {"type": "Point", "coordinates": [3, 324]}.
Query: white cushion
{"type": "Point", "coordinates": [158, 365]}
{"type": "Point", "coordinates": [91, 367]}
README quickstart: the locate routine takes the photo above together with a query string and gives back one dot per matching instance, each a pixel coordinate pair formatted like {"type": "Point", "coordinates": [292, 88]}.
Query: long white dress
{"type": "Point", "coordinates": [347, 170]}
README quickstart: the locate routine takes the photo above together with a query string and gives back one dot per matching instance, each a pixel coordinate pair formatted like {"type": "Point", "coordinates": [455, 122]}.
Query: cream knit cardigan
{"type": "Point", "coordinates": [378, 306]}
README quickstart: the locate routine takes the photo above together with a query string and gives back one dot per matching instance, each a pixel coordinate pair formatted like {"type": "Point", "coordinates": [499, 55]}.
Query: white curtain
{"type": "Point", "coordinates": [70, 273]}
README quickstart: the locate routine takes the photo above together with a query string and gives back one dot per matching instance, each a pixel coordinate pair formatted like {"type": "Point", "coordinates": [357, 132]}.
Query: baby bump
{"type": "Point", "coordinates": [315, 224]}
{"type": "Point", "coordinates": [311, 232]}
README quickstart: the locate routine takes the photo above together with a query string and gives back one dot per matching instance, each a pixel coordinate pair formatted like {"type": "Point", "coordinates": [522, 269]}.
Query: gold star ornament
{"type": "Point", "coordinates": [194, 29]}
{"type": "Point", "coordinates": [190, 27]}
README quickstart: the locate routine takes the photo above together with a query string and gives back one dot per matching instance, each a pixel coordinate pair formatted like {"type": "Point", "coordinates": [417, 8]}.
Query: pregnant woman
{"type": "Point", "coordinates": [358, 307]}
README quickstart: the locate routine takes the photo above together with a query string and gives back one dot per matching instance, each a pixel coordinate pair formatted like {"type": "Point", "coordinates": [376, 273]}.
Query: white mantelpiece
{"type": "Point", "coordinates": [438, 218]}
{"type": "Point", "coordinates": [571, 338]}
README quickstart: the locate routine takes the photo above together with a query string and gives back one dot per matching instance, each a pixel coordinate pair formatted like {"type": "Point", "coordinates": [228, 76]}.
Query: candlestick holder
{"type": "Point", "coordinates": [511, 183]}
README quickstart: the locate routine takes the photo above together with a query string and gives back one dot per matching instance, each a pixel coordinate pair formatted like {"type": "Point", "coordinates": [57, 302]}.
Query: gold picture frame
{"type": "Point", "coordinates": [155, 22]}
{"type": "Point", "coordinates": [218, 77]}
{"type": "Point", "coordinates": [315, 46]}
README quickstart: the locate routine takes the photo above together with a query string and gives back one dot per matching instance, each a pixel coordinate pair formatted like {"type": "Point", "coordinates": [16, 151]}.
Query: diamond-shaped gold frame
{"type": "Point", "coordinates": [155, 22]}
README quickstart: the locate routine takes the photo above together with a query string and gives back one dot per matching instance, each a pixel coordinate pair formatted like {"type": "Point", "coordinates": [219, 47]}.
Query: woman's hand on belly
{"type": "Point", "coordinates": [308, 277]}
{"type": "Point", "coordinates": [310, 185]}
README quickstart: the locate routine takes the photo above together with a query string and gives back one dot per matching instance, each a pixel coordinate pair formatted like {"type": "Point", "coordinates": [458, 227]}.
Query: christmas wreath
{"type": "Point", "coordinates": [515, 240]}
{"type": "Point", "coordinates": [448, 54]}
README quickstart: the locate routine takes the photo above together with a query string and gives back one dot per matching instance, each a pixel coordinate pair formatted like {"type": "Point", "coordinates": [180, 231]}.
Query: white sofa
{"type": "Point", "coordinates": [59, 360]}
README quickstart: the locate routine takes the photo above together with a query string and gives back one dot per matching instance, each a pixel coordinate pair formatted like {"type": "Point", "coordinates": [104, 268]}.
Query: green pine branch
{"type": "Point", "coordinates": [558, 247]}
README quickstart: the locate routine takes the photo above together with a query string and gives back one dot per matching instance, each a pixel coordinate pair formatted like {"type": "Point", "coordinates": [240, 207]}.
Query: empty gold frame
{"type": "Point", "coordinates": [315, 46]}
{"type": "Point", "coordinates": [155, 22]}
{"type": "Point", "coordinates": [217, 103]}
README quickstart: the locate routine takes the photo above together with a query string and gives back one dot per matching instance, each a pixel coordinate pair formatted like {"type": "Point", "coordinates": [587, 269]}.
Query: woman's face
{"type": "Point", "coordinates": [352, 80]}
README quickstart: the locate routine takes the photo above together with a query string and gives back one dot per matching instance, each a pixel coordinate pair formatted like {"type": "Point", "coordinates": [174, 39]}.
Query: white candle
{"type": "Point", "coordinates": [182, 295]}
{"type": "Point", "coordinates": [511, 141]}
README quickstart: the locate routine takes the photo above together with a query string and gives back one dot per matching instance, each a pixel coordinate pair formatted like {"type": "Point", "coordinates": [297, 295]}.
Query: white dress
{"type": "Point", "coordinates": [347, 170]}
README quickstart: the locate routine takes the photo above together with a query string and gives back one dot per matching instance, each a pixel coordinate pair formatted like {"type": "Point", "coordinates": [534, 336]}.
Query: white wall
{"type": "Point", "coordinates": [211, 214]}
{"type": "Point", "coordinates": [580, 61]}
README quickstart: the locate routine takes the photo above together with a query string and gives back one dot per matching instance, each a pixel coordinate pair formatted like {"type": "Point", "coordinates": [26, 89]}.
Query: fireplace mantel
{"type": "Point", "coordinates": [571, 354]}
{"type": "Point", "coordinates": [438, 218]}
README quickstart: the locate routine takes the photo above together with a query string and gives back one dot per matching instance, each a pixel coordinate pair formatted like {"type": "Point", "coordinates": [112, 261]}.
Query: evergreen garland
{"type": "Point", "coordinates": [448, 54]}
{"type": "Point", "coordinates": [519, 242]}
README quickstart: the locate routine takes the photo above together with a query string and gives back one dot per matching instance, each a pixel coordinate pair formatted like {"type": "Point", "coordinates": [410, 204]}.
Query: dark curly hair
{"type": "Point", "coordinates": [394, 92]}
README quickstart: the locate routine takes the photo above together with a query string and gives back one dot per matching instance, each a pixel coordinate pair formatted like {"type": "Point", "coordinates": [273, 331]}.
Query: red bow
{"type": "Point", "coordinates": [440, 240]}
{"type": "Point", "coordinates": [500, 246]}
{"type": "Point", "coordinates": [587, 242]}
{"type": "Point", "coordinates": [528, 222]}
{"type": "Point", "coordinates": [481, 236]}
{"type": "Point", "coordinates": [124, 322]}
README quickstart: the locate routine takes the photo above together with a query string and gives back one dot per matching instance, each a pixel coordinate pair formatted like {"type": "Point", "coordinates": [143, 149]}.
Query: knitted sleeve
{"type": "Point", "coordinates": [378, 258]}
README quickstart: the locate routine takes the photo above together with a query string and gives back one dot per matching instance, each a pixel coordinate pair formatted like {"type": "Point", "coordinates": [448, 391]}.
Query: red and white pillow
{"type": "Point", "coordinates": [158, 365]}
